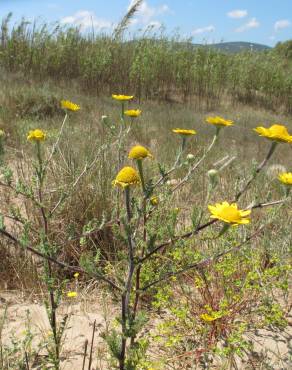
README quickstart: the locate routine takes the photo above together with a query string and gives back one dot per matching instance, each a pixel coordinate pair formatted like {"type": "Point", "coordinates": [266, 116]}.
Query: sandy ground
{"type": "Point", "coordinates": [272, 350]}
{"type": "Point", "coordinates": [82, 313]}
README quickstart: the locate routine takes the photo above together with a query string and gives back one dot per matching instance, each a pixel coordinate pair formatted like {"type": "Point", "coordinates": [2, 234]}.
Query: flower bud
{"type": "Point", "coordinates": [154, 200]}
{"type": "Point", "coordinates": [104, 120]}
{"type": "Point", "coordinates": [190, 157]}
{"type": "Point", "coordinates": [213, 177]}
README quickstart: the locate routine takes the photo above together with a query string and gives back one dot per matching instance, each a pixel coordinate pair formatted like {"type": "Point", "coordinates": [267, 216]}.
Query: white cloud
{"type": "Point", "coordinates": [86, 19]}
{"type": "Point", "coordinates": [253, 23]}
{"type": "Point", "coordinates": [146, 13]}
{"type": "Point", "coordinates": [281, 24]}
{"type": "Point", "coordinates": [237, 13]}
{"type": "Point", "coordinates": [207, 29]}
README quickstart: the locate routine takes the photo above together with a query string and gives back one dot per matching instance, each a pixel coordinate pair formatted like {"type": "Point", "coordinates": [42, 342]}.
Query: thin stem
{"type": "Point", "coordinates": [128, 284]}
{"type": "Point", "coordinates": [201, 264]}
{"type": "Point", "coordinates": [50, 278]}
{"type": "Point", "coordinates": [57, 141]}
{"type": "Point", "coordinates": [174, 167]}
{"type": "Point", "coordinates": [59, 263]}
{"type": "Point", "coordinates": [123, 110]}
{"type": "Point", "coordinates": [170, 241]}
{"type": "Point", "coordinates": [202, 227]}
{"type": "Point", "coordinates": [257, 171]}
{"type": "Point", "coordinates": [140, 169]}
{"type": "Point", "coordinates": [91, 346]}
{"type": "Point", "coordinates": [196, 165]}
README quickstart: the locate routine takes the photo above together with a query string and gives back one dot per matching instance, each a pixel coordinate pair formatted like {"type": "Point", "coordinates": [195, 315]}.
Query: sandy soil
{"type": "Point", "coordinates": [272, 350]}
{"type": "Point", "coordinates": [82, 313]}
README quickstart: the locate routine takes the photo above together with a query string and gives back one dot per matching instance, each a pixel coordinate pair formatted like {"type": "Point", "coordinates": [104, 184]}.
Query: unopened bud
{"type": "Point", "coordinates": [190, 157]}
{"type": "Point", "coordinates": [104, 119]}
{"type": "Point", "coordinates": [213, 177]}
{"type": "Point", "coordinates": [154, 200]}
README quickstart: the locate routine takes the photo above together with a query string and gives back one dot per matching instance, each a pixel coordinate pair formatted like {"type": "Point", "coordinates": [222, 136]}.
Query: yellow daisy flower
{"type": "Point", "coordinates": [72, 294]}
{"type": "Point", "coordinates": [139, 152]}
{"type": "Point", "coordinates": [36, 135]}
{"type": "Point", "coordinates": [286, 178]}
{"type": "Point", "coordinates": [122, 97]}
{"type": "Point", "coordinates": [208, 318]}
{"type": "Point", "coordinates": [66, 104]}
{"type": "Point", "coordinates": [184, 132]}
{"type": "Point", "coordinates": [76, 275]}
{"type": "Point", "coordinates": [133, 113]}
{"type": "Point", "coordinates": [229, 213]}
{"type": "Point", "coordinates": [126, 177]}
{"type": "Point", "coordinates": [219, 121]}
{"type": "Point", "coordinates": [276, 132]}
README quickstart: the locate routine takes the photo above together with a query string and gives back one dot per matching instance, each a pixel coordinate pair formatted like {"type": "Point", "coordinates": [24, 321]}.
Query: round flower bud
{"type": "Point", "coordinates": [213, 177]}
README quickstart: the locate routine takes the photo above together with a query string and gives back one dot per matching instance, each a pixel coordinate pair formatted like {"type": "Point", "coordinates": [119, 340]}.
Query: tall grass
{"type": "Point", "coordinates": [149, 66]}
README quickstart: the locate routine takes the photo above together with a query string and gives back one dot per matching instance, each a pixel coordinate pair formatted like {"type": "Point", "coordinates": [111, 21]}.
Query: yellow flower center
{"type": "Point", "coordinates": [133, 112]}
{"type": "Point", "coordinates": [66, 104]}
{"type": "Point", "coordinates": [286, 178]}
{"type": "Point", "coordinates": [122, 97]}
{"type": "Point", "coordinates": [36, 135]}
{"type": "Point", "coordinates": [126, 177]}
{"type": "Point", "coordinates": [139, 152]}
{"type": "Point", "coordinates": [72, 294]}
{"type": "Point", "coordinates": [184, 132]}
{"type": "Point", "coordinates": [219, 121]}
{"type": "Point", "coordinates": [229, 213]}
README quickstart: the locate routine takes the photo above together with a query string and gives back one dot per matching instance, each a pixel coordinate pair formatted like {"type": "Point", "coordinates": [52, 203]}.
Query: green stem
{"type": "Point", "coordinates": [140, 169]}
{"type": "Point", "coordinates": [258, 170]}
{"type": "Point", "coordinates": [123, 110]}
{"type": "Point", "coordinates": [129, 281]}
{"type": "Point", "coordinates": [225, 227]}
{"type": "Point", "coordinates": [196, 165]}
{"type": "Point", "coordinates": [50, 278]}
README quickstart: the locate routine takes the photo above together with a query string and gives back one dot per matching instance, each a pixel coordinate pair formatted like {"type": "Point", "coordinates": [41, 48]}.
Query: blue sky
{"type": "Point", "coordinates": [262, 21]}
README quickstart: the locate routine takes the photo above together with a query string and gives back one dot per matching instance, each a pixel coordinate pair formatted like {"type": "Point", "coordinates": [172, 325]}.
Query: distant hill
{"type": "Point", "coordinates": [227, 47]}
{"type": "Point", "coordinates": [237, 46]}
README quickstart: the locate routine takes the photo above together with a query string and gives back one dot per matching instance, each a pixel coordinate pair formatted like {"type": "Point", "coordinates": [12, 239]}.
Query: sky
{"type": "Point", "coordinates": [206, 21]}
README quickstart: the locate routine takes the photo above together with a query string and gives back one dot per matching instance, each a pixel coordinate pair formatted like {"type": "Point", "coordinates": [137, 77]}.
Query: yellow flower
{"type": "Point", "coordinates": [122, 97]}
{"type": "Point", "coordinates": [219, 121]}
{"type": "Point", "coordinates": [229, 213]}
{"type": "Point", "coordinates": [66, 104]}
{"type": "Point", "coordinates": [2, 133]}
{"type": "Point", "coordinates": [154, 200]}
{"type": "Point", "coordinates": [72, 294]}
{"type": "Point", "coordinates": [126, 177]}
{"type": "Point", "coordinates": [286, 178]}
{"type": "Point", "coordinates": [276, 132]}
{"type": "Point", "coordinates": [212, 316]}
{"type": "Point", "coordinates": [208, 318]}
{"type": "Point", "coordinates": [36, 135]}
{"type": "Point", "coordinates": [76, 275]}
{"type": "Point", "coordinates": [184, 132]}
{"type": "Point", "coordinates": [133, 112]}
{"type": "Point", "coordinates": [139, 152]}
